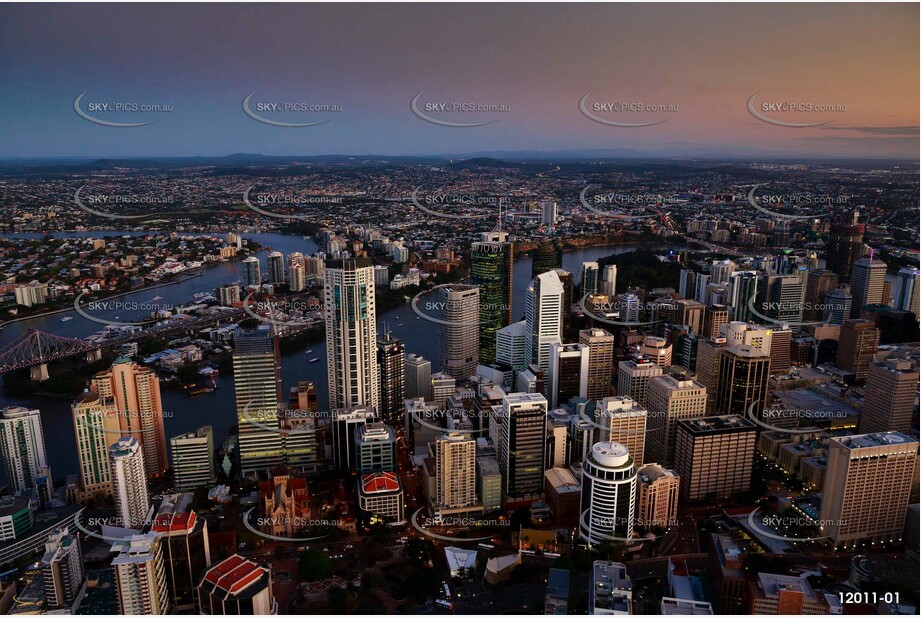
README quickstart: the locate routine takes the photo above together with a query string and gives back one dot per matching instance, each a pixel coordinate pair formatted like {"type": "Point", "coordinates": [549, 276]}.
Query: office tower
{"type": "Point", "coordinates": [818, 284]}
{"type": "Point", "coordinates": [868, 480]}
{"type": "Point", "coordinates": [715, 316]}
{"type": "Point", "coordinates": [544, 306]}
{"type": "Point", "coordinates": [346, 424]}
{"type": "Point", "coordinates": [610, 591]}
{"type": "Point", "coordinates": [780, 298]}
{"type": "Point", "coordinates": [608, 285]}
{"type": "Point", "coordinates": [62, 569]}
{"type": "Point", "coordinates": [868, 278]}
{"type": "Point", "coordinates": [548, 256]}
{"type": "Point", "coordinates": [522, 443]}
{"type": "Point", "coordinates": [251, 276]}
{"type": "Point", "coordinates": [713, 456]}
{"type": "Point", "coordinates": [633, 378]}
{"type": "Point", "coordinates": [568, 363]}
{"type": "Point", "coordinates": [455, 474]}
{"type": "Point", "coordinates": [380, 497]}
{"type": "Point", "coordinates": [239, 587]}
{"type": "Point", "coordinates": [889, 397]}
{"type": "Point", "coordinates": [622, 420]}
{"type": "Point", "coordinates": [629, 306]}
{"type": "Point", "coordinates": [22, 447]}
{"type": "Point", "coordinates": [657, 350]}
{"type": "Point", "coordinates": [838, 304]}
{"type": "Point", "coordinates": [589, 278]}
{"type": "Point", "coordinates": [743, 286]}
{"type": "Point", "coordinates": [656, 497]}
{"type": "Point", "coordinates": [690, 313]}
{"type": "Point", "coordinates": [685, 347]}
{"type": "Point", "coordinates": [97, 426]}
{"type": "Point", "coordinates": [229, 294]}
{"type": "Point", "coordinates": [304, 430]}
{"type": "Point", "coordinates": [608, 494]}
{"type": "Point", "coordinates": [443, 386]}
{"type": "Point", "coordinates": [297, 277]}
{"type": "Point", "coordinates": [418, 377]}
{"type": "Point", "coordinates": [845, 245]}
{"type": "Point", "coordinates": [754, 335]}
{"type": "Point", "coordinates": [491, 262]}
{"type": "Point", "coordinates": [557, 438]}
{"type": "Point", "coordinates": [129, 482]}
{"type": "Point", "coordinates": [671, 399]}
{"type": "Point", "coordinates": [276, 267]}
{"type": "Point", "coordinates": [193, 459]}
{"type": "Point", "coordinates": [548, 213]}
{"type": "Point", "coordinates": [461, 315]}
{"type": "Point", "coordinates": [391, 358]}
{"type": "Point", "coordinates": [136, 390]}
{"type": "Point", "coordinates": [257, 387]}
{"type": "Point", "coordinates": [857, 344]}
{"type": "Point", "coordinates": [375, 448]}
{"type": "Point", "coordinates": [512, 345]}
{"type": "Point", "coordinates": [598, 344]}
{"type": "Point", "coordinates": [186, 554]}
{"type": "Point", "coordinates": [721, 270]}
{"type": "Point", "coordinates": [351, 334]}
{"type": "Point", "coordinates": [907, 297]}
{"type": "Point", "coordinates": [781, 342]}
{"type": "Point", "coordinates": [568, 290]}
{"type": "Point", "coordinates": [530, 380]}
{"type": "Point", "coordinates": [741, 380]}
{"type": "Point", "coordinates": [140, 575]}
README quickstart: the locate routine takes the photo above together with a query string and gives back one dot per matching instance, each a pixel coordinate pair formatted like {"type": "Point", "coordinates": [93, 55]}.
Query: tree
{"type": "Point", "coordinates": [314, 565]}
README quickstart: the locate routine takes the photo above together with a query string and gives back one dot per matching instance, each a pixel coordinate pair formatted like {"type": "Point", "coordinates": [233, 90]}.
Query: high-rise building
{"type": "Point", "coordinates": [690, 313]}
{"type": "Point", "coordinates": [780, 298]}
{"type": "Point", "coordinates": [845, 245]}
{"type": "Point", "coordinates": [229, 294]}
{"type": "Point", "coordinates": [193, 459]}
{"type": "Point", "coordinates": [907, 297]}
{"type": "Point", "coordinates": [608, 506]}
{"type": "Point", "coordinates": [455, 474]}
{"type": "Point", "coordinates": [276, 267]}
{"type": "Point", "coordinates": [97, 427]}
{"type": "Point", "coordinates": [375, 448]}
{"type": "Point", "coordinates": [568, 363]}
{"type": "Point", "coordinates": [754, 335]}
{"type": "Point", "coordinates": [140, 575]}
{"type": "Point", "coordinates": [522, 443]}
{"type": "Point", "coordinates": [297, 277]}
{"type": "Point", "coordinates": [22, 447]}
{"type": "Point", "coordinates": [237, 587]}
{"type": "Point", "coordinates": [818, 284]}
{"type": "Point", "coordinates": [548, 212]}
{"type": "Point", "coordinates": [418, 377]}
{"type": "Point", "coordinates": [461, 316]}
{"type": "Point", "coordinates": [781, 342]}
{"type": "Point", "coordinates": [351, 333]}
{"type": "Point", "coordinates": [608, 285]}
{"type": "Point", "coordinates": [512, 345]}
{"type": "Point", "coordinates": [491, 262]}
{"type": "Point", "coordinates": [544, 306]}
{"type": "Point", "coordinates": [868, 280]}
{"type": "Point", "coordinates": [856, 346]}
{"type": "Point", "coordinates": [622, 420]}
{"type": "Point", "coordinates": [715, 316]}
{"type": "Point", "coordinates": [598, 344]}
{"type": "Point", "coordinates": [589, 281]}
{"type": "Point", "coordinates": [890, 395]}
{"type": "Point", "coordinates": [304, 430]}
{"type": "Point", "coordinates": [610, 591]}
{"type": "Point", "coordinates": [257, 387]}
{"type": "Point", "coordinates": [741, 380]}
{"type": "Point", "coordinates": [671, 399]}
{"type": "Point", "coordinates": [658, 350]}
{"type": "Point", "coordinates": [657, 491]}
{"type": "Point", "coordinates": [743, 286]}
{"type": "Point", "coordinates": [252, 275]}
{"type": "Point", "coordinates": [136, 390]}
{"type": "Point", "coordinates": [633, 378]}
{"type": "Point", "coordinates": [346, 424]}
{"type": "Point", "coordinates": [443, 386]}
{"type": "Point", "coordinates": [62, 569]}
{"type": "Point", "coordinates": [548, 256]}
{"type": "Point", "coordinates": [186, 554]}
{"type": "Point", "coordinates": [837, 306]}
{"type": "Point", "coordinates": [129, 482]}
{"type": "Point", "coordinates": [391, 358]}
{"type": "Point", "coordinates": [714, 455]}
{"type": "Point", "coordinates": [868, 481]}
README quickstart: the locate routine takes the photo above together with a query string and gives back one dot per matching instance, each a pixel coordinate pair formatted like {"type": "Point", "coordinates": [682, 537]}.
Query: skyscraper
{"type": "Point", "coordinates": [186, 550]}
{"type": "Point", "coordinates": [257, 386]}
{"type": "Point", "coordinates": [491, 262]}
{"type": "Point", "coordinates": [276, 263]}
{"type": "Point", "coordinates": [633, 378]}
{"type": "Point", "coordinates": [715, 316]}
{"type": "Point", "coordinates": [589, 281]}
{"type": "Point", "coordinates": [780, 297]}
{"type": "Point", "coordinates": [461, 315]}
{"type": "Point", "coordinates": [658, 350]}
{"type": "Point", "coordinates": [22, 447]}
{"type": "Point", "coordinates": [657, 491]}
{"type": "Point", "coordinates": [714, 455]}
{"type": "Point", "coordinates": [129, 482]}
{"type": "Point", "coordinates": [391, 358]}
{"type": "Point", "coordinates": [418, 377]}
{"type": "Point", "coordinates": [889, 397]}
{"type": "Point", "coordinates": [346, 424]}
{"type": "Point", "coordinates": [522, 443]}
{"type": "Point", "coordinates": [193, 459]}
{"type": "Point", "coordinates": [599, 347]}
{"type": "Point", "coordinates": [544, 315]}
{"type": "Point", "coordinates": [867, 485]}
{"type": "Point", "coordinates": [237, 587]}
{"type": "Point", "coordinates": [351, 333]}
{"type": "Point", "coordinates": [547, 257]}
{"type": "Point", "coordinates": [845, 245]}
{"type": "Point", "coordinates": [608, 494]}
{"type": "Point", "coordinates": [608, 285]}
{"type": "Point", "coordinates": [742, 288]}
{"type": "Point", "coordinates": [857, 344]}
{"type": "Point", "coordinates": [375, 448]}
{"type": "Point", "coordinates": [907, 298]}
{"type": "Point", "coordinates": [252, 275]}
{"type": "Point", "coordinates": [837, 306]}
{"type": "Point", "coordinates": [512, 345]}
{"type": "Point", "coordinates": [868, 278]}
{"type": "Point", "coordinates": [455, 474]}
{"type": "Point", "coordinates": [97, 427]}
{"type": "Point", "coordinates": [568, 363]}
{"type": "Point", "coordinates": [818, 284]}
{"type": "Point", "coordinates": [62, 569]}
{"type": "Point", "coordinates": [671, 399]}
{"type": "Point", "coordinates": [622, 420]}
{"type": "Point", "coordinates": [136, 390]}
{"type": "Point", "coordinates": [140, 575]}
{"type": "Point", "coordinates": [741, 380]}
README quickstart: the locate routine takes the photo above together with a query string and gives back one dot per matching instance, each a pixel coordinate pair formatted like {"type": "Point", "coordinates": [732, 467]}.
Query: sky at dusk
{"type": "Point", "coordinates": [700, 63]}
